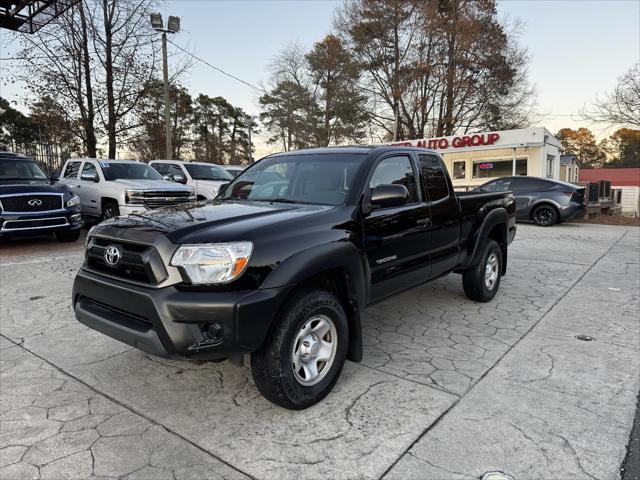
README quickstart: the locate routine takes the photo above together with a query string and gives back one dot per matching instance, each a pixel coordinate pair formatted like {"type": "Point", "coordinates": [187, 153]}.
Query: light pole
{"type": "Point", "coordinates": [173, 26]}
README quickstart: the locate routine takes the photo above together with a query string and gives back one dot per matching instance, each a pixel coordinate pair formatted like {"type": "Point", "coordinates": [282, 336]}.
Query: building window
{"type": "Point", "coordinates": [459, 169]}
{"type": "Point", "coordinates": [498, 168]}
{"type": "Point", "coordinates": [550, 166]}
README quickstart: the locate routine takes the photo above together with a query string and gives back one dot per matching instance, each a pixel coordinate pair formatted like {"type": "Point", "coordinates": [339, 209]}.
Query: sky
{"type": "Point", "coordinates": [578, 48]}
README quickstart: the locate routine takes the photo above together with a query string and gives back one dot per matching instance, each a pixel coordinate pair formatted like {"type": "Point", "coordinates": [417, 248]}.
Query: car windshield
{"type": "Point", "coordinates": [208, 172]}
{"type": "Point", "coordinates": [323, 179]}
{"type": "Point", "coordinates": [20, 170]}
{"type": "Point", "coordinates": [128, 171]}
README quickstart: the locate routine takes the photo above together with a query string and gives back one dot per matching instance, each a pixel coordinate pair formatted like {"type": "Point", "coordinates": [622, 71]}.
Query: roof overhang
{"type": "Point", "coordinates": [29, 16]}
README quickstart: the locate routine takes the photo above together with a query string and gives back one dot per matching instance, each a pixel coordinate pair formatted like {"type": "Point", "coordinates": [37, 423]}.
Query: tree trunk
{"type": "Point", "coordinates": [111, 102]}
{"type": "Point", "coordinates": [89, 122]}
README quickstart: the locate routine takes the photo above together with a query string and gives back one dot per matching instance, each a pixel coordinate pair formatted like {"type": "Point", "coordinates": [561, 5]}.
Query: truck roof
{"type": "Point", "coordinates": [109, 160]}
{"type": "Point", "coordinates": [187, 162]}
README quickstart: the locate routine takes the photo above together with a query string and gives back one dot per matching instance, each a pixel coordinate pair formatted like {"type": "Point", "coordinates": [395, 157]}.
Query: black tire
{"type": "Point", "coordinates": [272, 366]}
{"type": "Point", "coordinates": [545, 215]}
{"type": "Point", "coordinates": [68, 236]}
{"type": "Point", "coordinates": [476, 285]}
{"type": "Point", "coordinates": [110, 210]}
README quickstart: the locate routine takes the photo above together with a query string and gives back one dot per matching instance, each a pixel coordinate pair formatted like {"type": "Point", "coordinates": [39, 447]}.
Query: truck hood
{"type": "Point", "coordinates": [223, 221]}
{"type": "Point", "coordinates": [151, 185]}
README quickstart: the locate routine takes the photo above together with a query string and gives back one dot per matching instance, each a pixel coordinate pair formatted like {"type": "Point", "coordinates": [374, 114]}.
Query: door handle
{"type": "Point", "coordinates": [78, 186]}
{"type": "Point", "coordinates": [424, 222]}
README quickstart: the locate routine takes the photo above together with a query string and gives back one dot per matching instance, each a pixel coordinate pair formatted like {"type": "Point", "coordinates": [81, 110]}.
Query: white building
{"type": "Point", "coordinates": [473, 159]}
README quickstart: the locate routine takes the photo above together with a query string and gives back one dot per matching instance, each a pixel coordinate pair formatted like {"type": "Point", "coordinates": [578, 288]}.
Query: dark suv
{"type": "Point", "coordinates": [543, 201]}
{"type": "Point", "coordinates": [30, 203]}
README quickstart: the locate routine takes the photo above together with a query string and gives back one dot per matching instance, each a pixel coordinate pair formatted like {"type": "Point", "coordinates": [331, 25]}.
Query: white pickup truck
{"type": "Point", "coordinates": [109, 188]}
{"type": "Point", "coordinates": [205, 178]}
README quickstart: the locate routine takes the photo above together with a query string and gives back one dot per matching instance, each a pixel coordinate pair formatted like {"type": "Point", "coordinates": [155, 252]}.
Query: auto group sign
{"type": "Point", "coordinates": [461, 141]}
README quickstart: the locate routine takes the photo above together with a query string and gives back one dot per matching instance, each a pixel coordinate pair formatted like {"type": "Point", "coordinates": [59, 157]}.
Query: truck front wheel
{"type": "Point", "coordinates": [481, 282]}
{"type": "Point", "coordinates": [303, 356]}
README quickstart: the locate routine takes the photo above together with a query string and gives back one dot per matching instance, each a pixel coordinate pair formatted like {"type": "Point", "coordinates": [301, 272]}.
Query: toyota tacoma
{"type": "Point", "coordinates": [282, 263]}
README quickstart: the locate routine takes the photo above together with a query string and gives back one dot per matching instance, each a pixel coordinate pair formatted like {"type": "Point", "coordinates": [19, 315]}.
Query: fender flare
{"type": "Point", "coordinates": [495, 217]}
{"type": "Point", "coordinates": [322, 258]}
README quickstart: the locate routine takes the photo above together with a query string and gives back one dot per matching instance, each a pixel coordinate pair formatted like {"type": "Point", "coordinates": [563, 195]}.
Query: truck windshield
{"type": "Point", "coordinates": [323, 179]}
{"type": "Point", "coordinates": [11, 169]}
{"type": "Point", "coordinates": [128, 171]}
{"type": "Point", "coordinates": [208, 172]}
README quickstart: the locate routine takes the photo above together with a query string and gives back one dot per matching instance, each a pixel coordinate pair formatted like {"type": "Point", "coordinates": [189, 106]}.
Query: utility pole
{"type": "Point", "coordinates": [173, 26]}
{"type": "Point", "coordinates": [167, 108]}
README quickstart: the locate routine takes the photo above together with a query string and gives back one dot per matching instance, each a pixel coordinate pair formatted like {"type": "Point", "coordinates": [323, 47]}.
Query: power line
{"type": "Point", "coordinates": [217, 68]}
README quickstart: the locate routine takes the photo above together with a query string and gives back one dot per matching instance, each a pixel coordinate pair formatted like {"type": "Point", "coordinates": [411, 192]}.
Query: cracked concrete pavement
{"type": "Point", "coordinates": [448, 388]}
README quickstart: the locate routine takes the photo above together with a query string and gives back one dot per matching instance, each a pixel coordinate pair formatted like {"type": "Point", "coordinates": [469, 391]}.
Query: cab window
{"type": "Point", "coordinates": [90, 168]}
{"type": "Point", "coordinates": [72, 170]}
{"type": "Point", "coordinates": [434, 177]}
{"type": "Point", "coordinates": [396, 171]}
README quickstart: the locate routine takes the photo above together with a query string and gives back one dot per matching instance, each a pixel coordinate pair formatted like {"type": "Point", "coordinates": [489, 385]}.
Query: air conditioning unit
{"type": "Point", "coordinates": [605, 189]}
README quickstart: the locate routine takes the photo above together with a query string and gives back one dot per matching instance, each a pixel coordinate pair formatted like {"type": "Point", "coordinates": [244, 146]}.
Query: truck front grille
{"type": "Point", "coordinates": [163, 199]}
{"type": "Point", "coordinates": [128, 319]}
{"type": "Point", "coordinates": [31, 202]}
{"type": "Point", "coordinates": [137, 263]}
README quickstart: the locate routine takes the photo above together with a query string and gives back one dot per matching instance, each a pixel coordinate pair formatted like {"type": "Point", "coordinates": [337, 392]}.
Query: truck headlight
{"type": "Point", "coordinates": [134, 197]}
{"type": "Point", "coordinates": [73, 201]}
{"type": "Point", "coordinates": [213, 263]}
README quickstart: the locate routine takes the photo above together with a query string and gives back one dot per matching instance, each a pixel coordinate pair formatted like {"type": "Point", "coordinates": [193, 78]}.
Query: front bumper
{"type": "Point", "coordinates": [30, 224]}
{"type": "Point", "coordinates": [173, 323]}
{"type": "Point", "coordinates": [127, 209]}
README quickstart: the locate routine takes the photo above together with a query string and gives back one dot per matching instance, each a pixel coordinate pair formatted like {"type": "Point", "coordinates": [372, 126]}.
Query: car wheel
{"type": "Point", "coordinates": [481, 282]}
{"type": "Point", "coordinates": [68, 236]}
{"type": "Point", "coordinates": [545, 216]}
{"type": "Point", "coordinates": [110, 210]}
{"type": "Point", "coordinates": [303, 356]}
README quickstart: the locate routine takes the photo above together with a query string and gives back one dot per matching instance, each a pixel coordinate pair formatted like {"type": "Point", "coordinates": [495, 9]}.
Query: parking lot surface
{"type": "Point", "coordinates": [448, 388]}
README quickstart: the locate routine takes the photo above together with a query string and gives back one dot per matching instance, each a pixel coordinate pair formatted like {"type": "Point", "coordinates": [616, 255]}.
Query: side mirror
{"type": "Point", "coordinates": [176, 177]}
{"type": "Point", "coordinates": [54, 177]}
{"type": "Point", "coordinates": [222, 188]}
{"type": "Point", "coordinates": [90, 177]}
{"type": "Point", "coordinates": [385, 196]}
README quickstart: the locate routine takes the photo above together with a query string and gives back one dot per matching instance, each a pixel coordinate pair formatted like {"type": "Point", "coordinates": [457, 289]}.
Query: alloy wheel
{"type": "Point", "coordinates": [491, 271]}
{"type": "Point", "coordinates": [314, 350]}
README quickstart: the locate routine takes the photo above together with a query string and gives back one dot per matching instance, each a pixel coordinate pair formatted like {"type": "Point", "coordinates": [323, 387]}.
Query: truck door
{"type": "Point", "coordinates": [89, 190]}
{"type": "Point", "coordinates": [70, 175]}
{"type": "Point", "coordinates": [395, 238]}
{"type": "Point", "coordinates": [444, 227]}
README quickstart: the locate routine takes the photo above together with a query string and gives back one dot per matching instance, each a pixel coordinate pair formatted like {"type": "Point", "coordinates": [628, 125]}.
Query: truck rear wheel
{"type": "Point", "coordinates": [303, 356]}
{"type": "Point", "coordinates": [481, 282]}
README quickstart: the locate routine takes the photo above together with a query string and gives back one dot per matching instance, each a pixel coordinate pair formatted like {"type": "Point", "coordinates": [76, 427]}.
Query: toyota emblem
{"type": "Point", "coordinates": [35, 202]}
{"type": "Point", "coordinates": [112, 255]}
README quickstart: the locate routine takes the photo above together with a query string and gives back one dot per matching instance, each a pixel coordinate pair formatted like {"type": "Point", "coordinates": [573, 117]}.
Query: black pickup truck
{"type": "Point", "coordinates": [283, 262]}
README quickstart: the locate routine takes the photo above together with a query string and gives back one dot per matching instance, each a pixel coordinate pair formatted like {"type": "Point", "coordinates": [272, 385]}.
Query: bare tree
{"type": "Point", "coordinates": [435, 67]}
{"type": "Point", "coordinates": [95, 60]}
{"type": "Point", "coordinates": [125, 47]}
{"type": "Point", "coordinates": [622, 105]}
{"type": "Point", "coordinates": [57, 63]}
